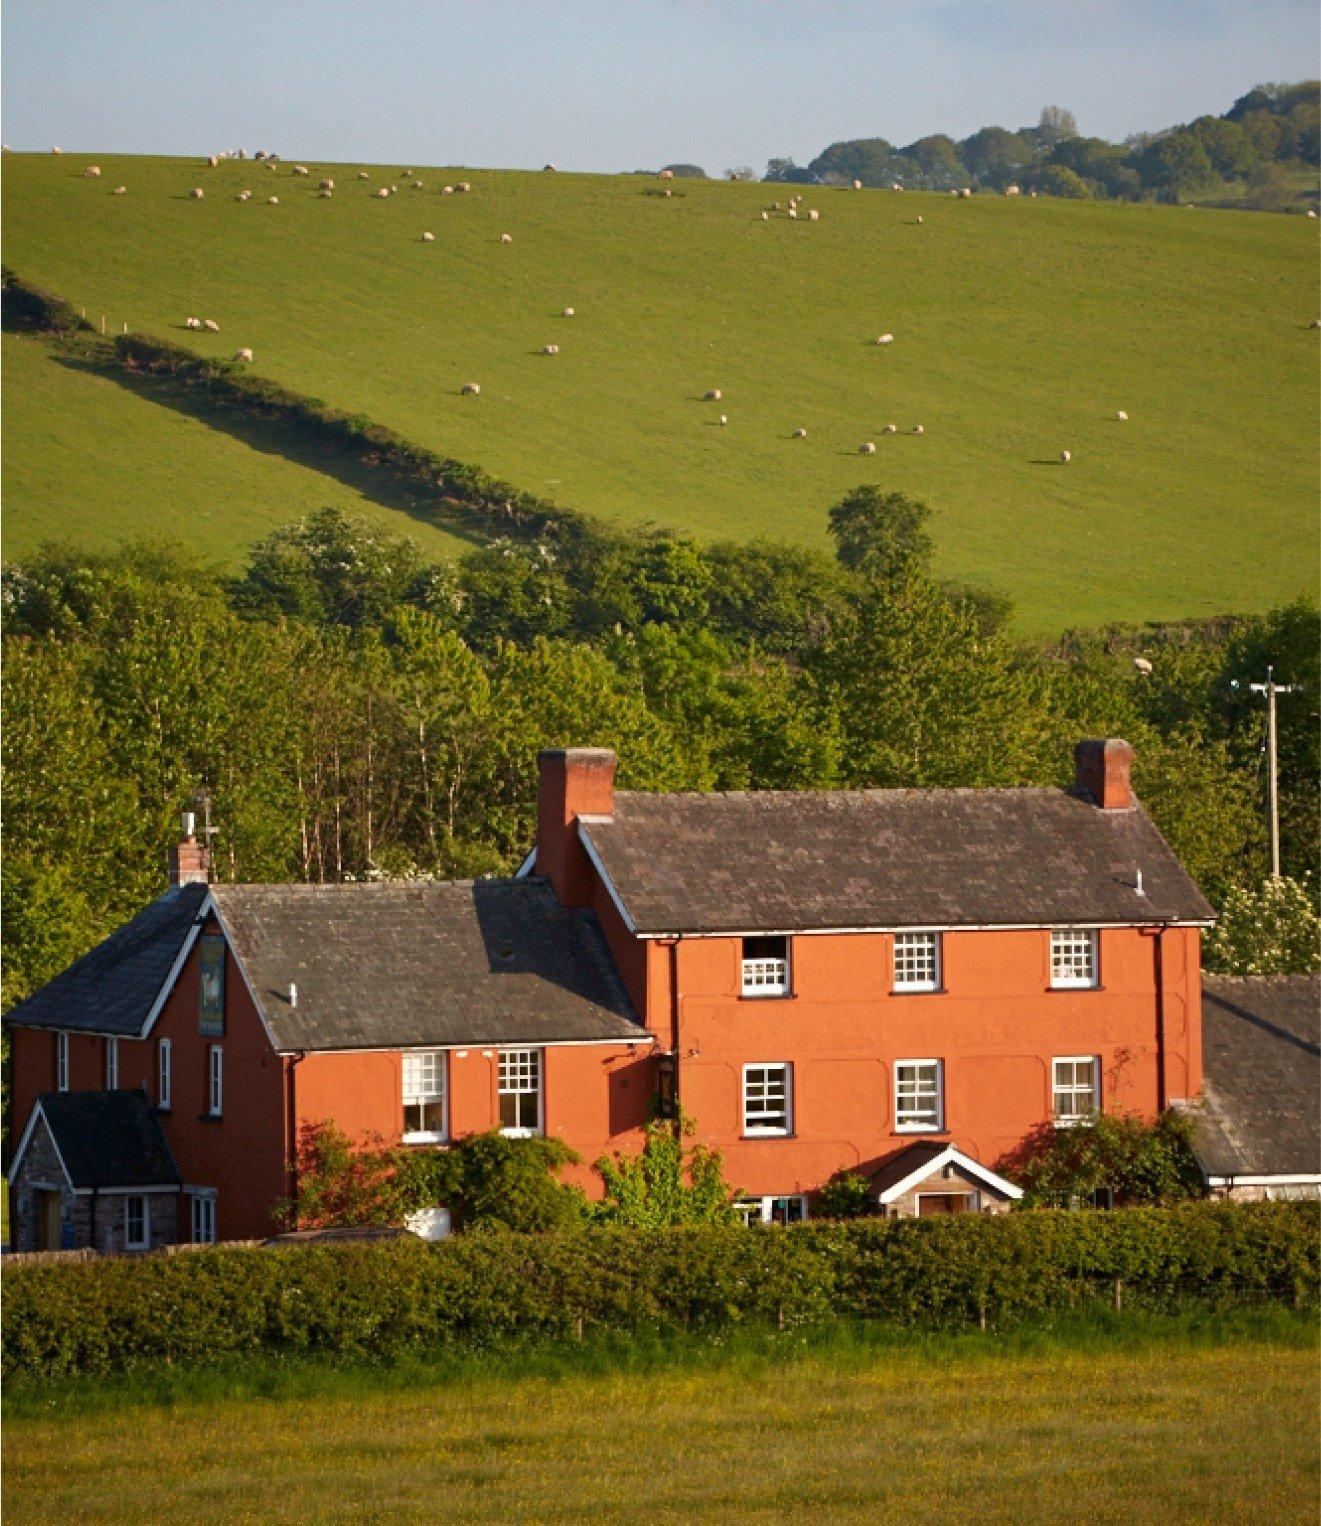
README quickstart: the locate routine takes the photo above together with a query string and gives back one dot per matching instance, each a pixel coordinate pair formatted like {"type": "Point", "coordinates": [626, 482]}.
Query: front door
{"type": "Point", "coordinates": [929, 1203]}
{"type": "Point", "coordinates": [48, 1220]}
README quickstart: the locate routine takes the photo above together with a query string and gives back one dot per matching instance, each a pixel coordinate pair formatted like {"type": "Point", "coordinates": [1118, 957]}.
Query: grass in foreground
{"type": "Point", "coordinates": [1141, 1418]}
{"type": "Point", "coordinates": [1020, 327]}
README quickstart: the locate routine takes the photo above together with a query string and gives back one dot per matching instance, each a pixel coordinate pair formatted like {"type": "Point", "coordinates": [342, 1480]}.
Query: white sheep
{"type": "Point", "coordinates": [506, 238]}
{"type": "Point", "coordinates": [192, 323]}
{"type": "Point", "coordinates": [885, 339]}
{"type": "Point", "coordinates": [550, 349]}
{"type": "Point", "coordinates": [120, 190]}
{"type": "Point", "coordinates": [363, 175]}
{"type": "Point", "coordinates": [92, 172]}
{"type": "Point", "coordinates": [244, 196]}
{"type": "Point", "coordinates": [213, 160]}
{"type": "Point", "coordinates": [1316, 323]}
{"type": "Point", "coordinates": [800, 434]}
{"type": "Point", "coordinates": [417, 185]}
{"type": "Point", "coordinates": [325, 195]}
{"type": "Point", "coordinates": [713, 395]}
{"type": "Point", "coordinates": [197, 193]}
{"type": "Point", "coordinates": [667, 193]}
{"type": "Point", "coordinates": [1311, 211]}
{"type": "Point", "coordinates": [464, 186]}
{"type": "Point", "coordinates": [428, 238]}
{"type": "Point", "coordinates": [895, 186]}
{"type": "Point", "coordinates": [471, 389]}
{"type": "Point", "coordinates": [814, 216]}
{"type": "Point", "coordinates": [326, 185]}
{"type": "Point", "coordinates": [272, 201]}
{"type": "Point", "coordinates": [765, 217]}
{"type": "Point", "coordinates": [667, 174]}
{"type": "Point", "coordinates": [857, 185]}
{"type": "Point", "coordinates": [394, 190]}
{"type": "Point", "coordinates": [301, 169]}
{"type": "Point", "coordinates": [548, 169]}
{"type": "Point", "coordinates": [1065, 457]}
{"type": "Point", "coordinates": [954, 193]}
{"type": "Point", "coordinates": [966, 191]}
{"type": "Point", "coordinates": [243, 354]}
{"type": "Point", "coordinates": [57, 149]}
{"type": "Point", "coordinates": [919, 219]}
{"type": "Point", "coordinates": [918, 429]}
{"type": "Point", "coordinates": [1012, 190]}
{"type": "Point", "coordinates": [890, 429]}
{"type": "Point", "coordinates": [868, 449]}
{"type": "Point", "coordinates": [722, 419]}
{"type": "Point", "coordinates": [383, 193]}
{"type": "Point", "coordinates": [447, 190]}
{"type": "Point", "coordinates": [793, 211]}
{"type": "Point", "coordinates": [1143, 666]}
{"type": "Point", "coordinates": [1121, 417]}
{"type": "Point", "coordinates": [210, 325]}
{"type": "Point", "coordinates": [567, 313]}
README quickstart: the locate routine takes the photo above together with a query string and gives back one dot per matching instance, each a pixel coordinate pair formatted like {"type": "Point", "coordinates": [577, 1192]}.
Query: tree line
{"type": "Point", "coordinates": [355, 712]}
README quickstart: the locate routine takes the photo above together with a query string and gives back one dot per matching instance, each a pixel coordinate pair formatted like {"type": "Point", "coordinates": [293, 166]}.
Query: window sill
{"type": "Point", "coordinates": [521, 1133]}
{"type": "Point", "coordinates": [210, 1117]}
{"type": "Point", "coordinates": [768, 995]}
{"type": "Point", "coordinates": [768, 1134]}
{"type": "Point", "coordinates": [920, 1128]}
{"type": "Point", "coordinates": [918, 991]}
{"type": "Point", "coordinates": [1073, 990]}
{"type": "Point", "coordinates": [424, 1139]}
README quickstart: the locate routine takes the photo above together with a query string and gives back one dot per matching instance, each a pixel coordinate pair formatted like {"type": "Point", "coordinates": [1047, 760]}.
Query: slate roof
{"type": "Point", "coordinates": [783, 861]}
{"type": "Point", "coordinates": [395, 965]}
{"type": "Point", "coordinates": [112, 988]}
{"type": "Point", "coordinates": [904, 1162]}
{"type": "Point", "coordinates": [109, 1139]}
{"type": "Point", "coordinates": [1262, 1055]}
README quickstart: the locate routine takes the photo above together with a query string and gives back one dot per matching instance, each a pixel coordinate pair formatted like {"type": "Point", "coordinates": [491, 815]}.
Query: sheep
{"type": "Point", "coordinates": [447, 190]}
{"type": "Point", "coordinates": [1012, 190]}
{"type": "Point", "coordinates": [210, 325]}
{"type": "Point", "coordinates": [260, 154]}
{"type": "Point", "coordinates": [667, 175]}
{"type": "Point", "coordinates": [1033, 195]}
{"type": "Point", "coordinates": [813, 216]}
{"type": "Point", "coordinates": [857, 185]}
{"type": "Point", "coordinates": [272, 201]}
{"type": "Point", "coordinates": [885, 339]}
{"type": "Point", "coordinates": [667, 193]}
{"type": "Point", "coordinates": [793, 211]}
{"type": "Point", "coordinates": [301, 169]}
{"type": "Point", "coordinates": [192, 323]}
{"type": "Point", "coordinates": [954, 193]}
{"type": "Point", "coordinates": [895, 186]}
{"type": "Point", "coordinates": [723, 419]}
{"type": "Point", "coordinates": [506, 238]}
{"type": "Point", "coordinates": [713, 395]}
{"type": "Point", "coordinates": [382, 194]}
{"type": "Point", "coordinates": [394, 190]}
{"type": "Point", "coordinates": [765, 217]}
{"type": "Point", "coordinates": [548, 169]}
{"type": "Point", "coordinates": [464, 186]}
{"type": "Point", "coordinates": [57, 149]}
{"type": "Point", "coordinates": [919, 219]}
{"type": "Point", "coordinates": [1065, 457]}
{"type": "Point", "coordinates": [326, 185]}
{"type": "Point", "coordinates": [567, 313]}
{"type": "Point", "coordinates": [213, 160]}
{"type": "Point", "coordinates": [417, 185]}
{"type": "Point", "coordinates": [966, 191]}
{"type": "Point", "coordinates": [550, 349]}
{"type": "Point", "coordinates": [120, 190]}
{"type": "Point", "coordinates": [244, 196]}
{"type": "Point", "coordinates": [325, 195]}
{"type": "Point", "coordinates": [243, 354]}
{"type": "Point", "coordinates": [92, 172]}
{"type": "Point", "coordinates": [470, 389]}
{"type": "Point", "coordinates": [1311, 211]}
{"type": "Point", "coordinates": [1143, 666]}
{"type": "Point", "coordinates": [868, 449]}
{"type": "Point", "coordinates": [800, 434]}
{"type": "Point", "coordinates": [197, 193]}
{"type": "Point", "coordinates": [1121, 417]}
{"type": "Point", "coordinates": [1316, 323]}
{"type": "Point", "coordinates": [775, 206]}
{"type": "Point", "coordinates": [918, 429]}
{"type": "Point", "coordinates": [428, 238]}
{"type": "Point", "coordinates": [890, 429]}
{"type": "Point", "coordinates": [363, 175]}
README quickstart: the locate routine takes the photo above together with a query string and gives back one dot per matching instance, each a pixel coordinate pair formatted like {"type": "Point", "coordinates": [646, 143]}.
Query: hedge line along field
{"type": "Point", "coordinates": [1020, 327]}
{"type": "Point", "coordinates": [89, 460]}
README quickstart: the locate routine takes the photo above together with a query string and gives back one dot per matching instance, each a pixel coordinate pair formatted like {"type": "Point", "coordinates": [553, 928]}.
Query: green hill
{"type": "Point", "coordinates": [1020, 327]}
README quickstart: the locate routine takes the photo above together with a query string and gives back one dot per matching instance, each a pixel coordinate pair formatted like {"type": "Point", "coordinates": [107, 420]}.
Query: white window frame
{"type": "Point", "coordinates": [215, 1081]}
{"type": "Point", "coordinates": [765, 976]}
{"type": "Point", "coordinates": [202, 1217]}
{"type": "Point", "coordinates": [440, 1069]}
{"type": "Point", "coordinates": [164, 1074]}
{"type": "Point", "coordinates": [1072, 1089]}
{"type": "Point", "coordinates": [144, 1243]}
{"type": "Point", "coordinates": [755, 1130]}
{"type": "Point", "coordinates": [112, 1065]}
{"type": "Point", "coordinates": [522, 1131]}
{"type": "Point", "coordinates": [761, 1210]}
{"type": "Point", "coordinates": [1062, 938]}
{"type": "Point", "coordinates": [902, 980]}
{"type": "Point", "coordinates": [914, 1125]}
{"type": "Point", "coordinates": [61, 1062]}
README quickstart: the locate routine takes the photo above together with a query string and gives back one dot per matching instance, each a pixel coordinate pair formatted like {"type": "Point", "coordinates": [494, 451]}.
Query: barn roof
{"type": "Point", "coordinates": [1261, 1114]}
{"type": "Point", "coordinates": [399, 965]}
{"type": "Point", "coordinates": [786, 861]}
{"type": "Point", "coordinates": [105, 1139]}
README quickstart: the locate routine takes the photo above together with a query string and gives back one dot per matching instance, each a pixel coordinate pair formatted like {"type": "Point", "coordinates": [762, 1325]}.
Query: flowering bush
{"type": "Point", "coordinates": [1273, 930]}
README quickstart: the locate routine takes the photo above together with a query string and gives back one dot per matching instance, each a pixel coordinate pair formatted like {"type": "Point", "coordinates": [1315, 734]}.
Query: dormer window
{"type": "Point", "coordinates": [1073, 959]}
{"type": "Point", "coordinates": [765, 967]}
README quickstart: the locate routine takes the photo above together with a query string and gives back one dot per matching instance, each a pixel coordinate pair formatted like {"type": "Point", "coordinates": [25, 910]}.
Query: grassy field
{"type": "Point", "coordinates": [1020, 327]}
{"type": "Point", "coordinates": [89, 459]}
{"type": "Point", "coordinates": [1158, 1420]}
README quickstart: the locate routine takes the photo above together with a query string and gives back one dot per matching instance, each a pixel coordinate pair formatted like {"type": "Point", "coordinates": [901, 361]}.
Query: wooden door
{"type": "Point", "coordinates": [48, 1220]}
{"type": "Point", "coordinates": [929, 1203]}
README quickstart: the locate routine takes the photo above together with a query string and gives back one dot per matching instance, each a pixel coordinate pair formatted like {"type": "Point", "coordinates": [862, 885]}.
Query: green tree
{"type": "Point", "coordinates": [881, 535]}
{"type": "Point", "coordinates": [1270, 930]}
{"type": "Point", "coordinates": [667, 1183]}
{"type": "Point", "coordinates": [1139, 1162]}
{"type": "Point", "coordinates": [937, 159]}
{"type": "Point", "coordinates": [1055, 124]}
{"type": "Point", "coordinates": [1177, 164]}
{"type": "Point", "coordinates": [995, 156]}
{"type": "Point", "coordinates": [1055, 180]}
{"type": "Point", "coordinates": [1231, 151]}
{"type": "Point", "coordinates": [847, 1195]}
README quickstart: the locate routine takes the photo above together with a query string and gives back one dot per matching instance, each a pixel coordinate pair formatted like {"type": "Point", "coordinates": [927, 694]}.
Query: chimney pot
{"type": "Point", "coordinates": [189, 863]}
{"type": "Point", "coordinates": [573, 782]}
{"type": "Point", "coordinates": [1102, 769]}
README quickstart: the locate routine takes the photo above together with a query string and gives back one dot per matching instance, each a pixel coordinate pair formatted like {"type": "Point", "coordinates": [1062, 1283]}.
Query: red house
{"type": "Point", "coordinates": [903, 983]}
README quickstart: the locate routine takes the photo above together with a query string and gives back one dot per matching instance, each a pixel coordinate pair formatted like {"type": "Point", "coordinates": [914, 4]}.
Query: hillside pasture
{"type": "Point", "coordinates": [1021, 326]}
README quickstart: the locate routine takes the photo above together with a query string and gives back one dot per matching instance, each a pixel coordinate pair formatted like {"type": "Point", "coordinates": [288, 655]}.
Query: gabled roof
{"type": "Point", "coordinates": [1261, 1111]}
{"type": "Point", "coordinates": [787, 861]}
{"type": "Point", "coordinates": [400, 965]}
{"type": "Point", "coordinates": [917, 1162]}
{"type": "Point", "coordinates": [104, 1139]}
{"type": "Point", "coordinates": [113, 988]}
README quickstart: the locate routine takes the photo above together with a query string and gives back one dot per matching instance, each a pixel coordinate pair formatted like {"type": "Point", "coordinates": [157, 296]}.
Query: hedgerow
{"type": "Point", "coordinates": [28, 306]}
{"type": "Point", "coordinates": [389, 1299]}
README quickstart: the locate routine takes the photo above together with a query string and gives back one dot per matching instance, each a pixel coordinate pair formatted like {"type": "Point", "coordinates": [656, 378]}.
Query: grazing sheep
{"type": "Point", "coordinates": [890, 429]}
{"type": "Point", "coordinates": [197, 193]}
{"type": "Point", "coordinates": [464, 186]}
{"type": "Point", "coordinates": [363, 175]}
{"type": "Point", "coordinates": [722, 419]}
{"type": "Point", "coordinates": [260, 154]}
{"type": "Point", "coordinates": [869, 449]}
{"type": "Point", "coordinates": [92, 172]}
{"type": "Point", "coordinates": [192, 323]}
{"type": "Point", "coordinates": [243, 354]}
{"type": "Point", "coordinates": [428, 238]}
{"type": "Point", "coordinates": [1033, 195]}
{"type": "Point", "coordinates": [954, 193]}
{"type": "Point", "coordinates": [667, 174]}
{"type": "Point", "coordinates": [800, 434]}
{"type": "Point", "coordinates": [1311, 211]}
{"type": "Point", "coordinates": [793, 211]}
{"type": "Point", "coordinates": [667, 193]}
{"type": "Point", "coordinates": [966, 191]}
{"type": "Point", "coordinates": [213, 160]}
{"type": "Point", "coordinates": [470, 389]}
{"type": "Point", "coordinates": [885, 339]}
{"type": "Point", "coordinates": [548, 169]}
{"type": "Point", "coordinates": [713, 395]}
{"type": "Point", "coordinates": [918, 429]}
{"type": "Point", "coordinates": [567, 313]}
{"type": "Point", "coordinates": [417, 185]}
{"type": "Point", "coordinates": [210, 325]}
{"type": "Point", "coordinates": [919, 218]}
{"type": "Point", "coordinates": [550, 349]}
{"type": "Point", "coordinates": [765, 217]}
{"type": "Point", "coordinates": [1316, 323]}
{"type": "Point", "coordinates": [1012, 190]}
{"type": "Point", "coordinates": [272, 201]}
{"type": "Point", "coordinates": [325, 195]}
{"type": "Point", "coordinates": [383, 193]}
{"type": "Point", "coordinates": [394, 190]}
{"type": "Point", "coordinates": [447, 190]}
{"type": "Point", "coordinates": [120, 190]}
{"type": "Point", "coordinates": [775, 206]}
{"type": "Point", "coordinates": [326, 185]}
{"type": "Point", "coordinates": [1143, 666]}
{"type": "Point", "coordinates": [506, 238]}
{"type": "Point", "coordinates": [1065, 457]}
{"type": "Point", "coordinates": [1121, 417]}
{"type": "Point", "coordinates": [857, 185]}
{"type": "Point", "coordinates": [244, 196]}
{"type": "Point", "coordinates": [814, 216]}
{"type": "Point", "coordinates": [301, 169]}
{"type": "Point", "coordinates": [57, 150]}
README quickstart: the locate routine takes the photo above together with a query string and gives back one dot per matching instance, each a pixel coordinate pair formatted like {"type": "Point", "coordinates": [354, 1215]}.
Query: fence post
{"type": "Point", "coordinates": [1119, 1295]}
{"type": "Point", "coordinates": [981, 1315]}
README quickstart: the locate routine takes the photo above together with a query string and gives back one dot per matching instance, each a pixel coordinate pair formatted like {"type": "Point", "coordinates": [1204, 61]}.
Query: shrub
{"type": "Point", "coordinates": [1272, 930]}
{"type": "Point", "coordinates": [31, 307]}
{"type": "Point", "coordinates": [1139, 1162]}
{"type": "Point", "coordinates": [846, 1196]}
{"type": "Point", "coordinates": [665, 1183]}
{"type": "Point", "coordinates": [389, 1299]}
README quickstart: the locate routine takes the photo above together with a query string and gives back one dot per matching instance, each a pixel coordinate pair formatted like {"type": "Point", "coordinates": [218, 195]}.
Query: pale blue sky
{"type": "Point", "coordinates": [618, 84]}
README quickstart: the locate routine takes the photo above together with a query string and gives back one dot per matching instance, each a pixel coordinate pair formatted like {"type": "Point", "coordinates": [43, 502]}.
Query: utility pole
{"type": "Point", "coordinates": [1270, 689]}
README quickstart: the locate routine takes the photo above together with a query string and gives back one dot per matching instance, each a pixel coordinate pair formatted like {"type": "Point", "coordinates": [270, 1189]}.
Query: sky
{"type": "Point", "coordinates": [618, 84]}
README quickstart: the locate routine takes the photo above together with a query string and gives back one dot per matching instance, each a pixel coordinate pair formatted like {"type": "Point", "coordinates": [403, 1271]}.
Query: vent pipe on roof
{"type": "Point", "coordinates": [1137, 884]}
{"type": "Point", "coordinates": [293, 994]}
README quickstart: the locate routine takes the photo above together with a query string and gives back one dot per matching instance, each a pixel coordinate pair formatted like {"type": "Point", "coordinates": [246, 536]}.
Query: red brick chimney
{"type": "Point", "coordinates": [1101, 769]}
{"type": "Point", "coordinates": [190, 862]}
{"type": "Point", "coordinates": [574, 781]}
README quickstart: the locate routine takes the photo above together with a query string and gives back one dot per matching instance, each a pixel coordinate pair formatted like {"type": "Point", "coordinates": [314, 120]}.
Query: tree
{"type": "Point", "coordinates": [937, 159]}
{"type": "Point", "coordinates": [667, 1183]}
{"type": "Point", "coordinates": [1176, 163]}
{"type": "Point", "coordinates": [1054, 125]}
{"type": "Point", "coordinates": [342, 1185]}
{"type": "Point", "coordinates": [881, 535]}
{"type": "Point", "coordinates": [685, 171]}
{"type": "Point", "coordinates": [1055, 180]}
{"type": "Point", "coordinates": [1271, 930]}
{"type": "Point", "coordinates": [874, 161]}
{"type": "Point", "coordinates": [1269, 188]}
{"type": "Point", "coordinates": [847, 1195]}
{"type": "Point", "coordinates": [1139, 1162]}
{"type": "Point", "coordinates": [786, 172]}
{"type": "Point", "coordinates": [489, 1181]}
{"type": "Point", "coordinates": [741, 172]}
{"type": "Point", "coordinates": [1231, 151]}
{"type": "Point", "coordinates": [994, 155]}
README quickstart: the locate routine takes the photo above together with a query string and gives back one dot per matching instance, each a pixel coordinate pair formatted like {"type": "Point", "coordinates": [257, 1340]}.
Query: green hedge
{"type": "Point", "coordinates": [31, 307]}
{"type": "Point", "coordinates": [386, 1299]}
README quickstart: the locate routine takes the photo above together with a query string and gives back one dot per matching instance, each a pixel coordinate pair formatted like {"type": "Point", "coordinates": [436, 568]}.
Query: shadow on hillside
{"type": "Point", "coordinates": [274, 438]}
